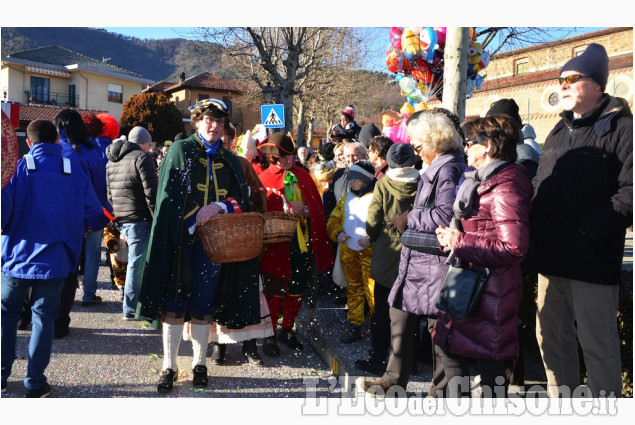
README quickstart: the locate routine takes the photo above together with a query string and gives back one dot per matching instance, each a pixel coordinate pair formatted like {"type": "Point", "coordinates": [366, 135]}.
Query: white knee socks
{"type": "Point", "coordinates": [171, 340]}
{"type": "Point", "coordinates": [200, 338]}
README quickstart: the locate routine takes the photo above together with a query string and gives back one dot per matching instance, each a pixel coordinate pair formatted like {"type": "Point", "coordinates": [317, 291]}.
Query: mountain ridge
{"type": "Point", "coordinates": [157, 60]}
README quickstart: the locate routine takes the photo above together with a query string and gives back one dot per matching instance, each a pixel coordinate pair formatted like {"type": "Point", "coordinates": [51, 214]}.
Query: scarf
{"type": "Point", "coordinates": [467, 191]}
{"type": "Point", "coordinates": [210, 151]}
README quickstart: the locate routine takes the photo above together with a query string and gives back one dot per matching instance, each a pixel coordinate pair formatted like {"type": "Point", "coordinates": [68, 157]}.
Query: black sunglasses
{"type": "Point", "coordinates": [571, 79]}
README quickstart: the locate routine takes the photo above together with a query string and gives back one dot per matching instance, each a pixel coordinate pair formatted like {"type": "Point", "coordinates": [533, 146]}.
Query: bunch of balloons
{"type": "Point", "coordinates": [416, 54]}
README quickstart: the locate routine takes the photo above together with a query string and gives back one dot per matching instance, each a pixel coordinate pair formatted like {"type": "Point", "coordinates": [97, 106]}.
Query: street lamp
{"type": "Point", "coordinates": [268, 92]}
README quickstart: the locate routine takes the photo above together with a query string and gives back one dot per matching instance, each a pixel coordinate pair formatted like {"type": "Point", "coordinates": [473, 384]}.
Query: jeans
{"type": "Point", "coordinates": [138, 236]}
{"type": "Point", "coordinates": [45, 296]}
{"type": "Point", "coordinates": [93, 258]}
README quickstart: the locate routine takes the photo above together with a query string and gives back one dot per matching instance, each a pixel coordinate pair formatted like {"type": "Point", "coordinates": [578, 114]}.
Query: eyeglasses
{"type": "Point", "coordinates": [220, 122]}
{"type": "Point", "coordinates": [571, 79]}
{"type": "Point", "coordinates": [417, 148]}
{"type": "Point", "coordinates": [469, 143]}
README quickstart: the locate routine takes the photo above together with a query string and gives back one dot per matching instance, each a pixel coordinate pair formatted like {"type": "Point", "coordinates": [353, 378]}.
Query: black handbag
{"type": "Point", "coordinates": [462, 289]}
{"type": "Point", "coordinates": [425, 241]}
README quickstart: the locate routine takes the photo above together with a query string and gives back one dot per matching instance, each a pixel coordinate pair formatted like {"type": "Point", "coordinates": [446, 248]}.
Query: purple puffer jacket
{"type": "Point", "coordinates": [421, 275]}
{"type": "Point", "coordinates": [496, 236]}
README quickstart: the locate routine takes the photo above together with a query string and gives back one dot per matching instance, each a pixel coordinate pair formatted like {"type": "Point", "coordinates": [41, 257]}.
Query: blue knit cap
{"type": "Point", "coordinates": [593, 62]}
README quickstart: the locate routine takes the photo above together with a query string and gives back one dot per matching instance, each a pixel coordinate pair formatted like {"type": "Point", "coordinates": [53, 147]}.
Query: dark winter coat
{"type": "Point", "coordinates": [132, 182]}
{"type": "Point", "coordinates": [583, 198]}
{"type": "Point", "coordinates": [421, 275]}
{"type": "Point", "coordinates": [391, 197]}
{"type": "Point", "coordinates": [351, 132]}
{"type": "Point", "coordinates": [496, 236]}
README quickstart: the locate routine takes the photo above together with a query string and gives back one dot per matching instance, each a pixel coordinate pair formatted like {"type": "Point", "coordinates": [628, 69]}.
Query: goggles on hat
{"type": "Point", "coordinates": [571, 79]}
{"type": "Point", "coordinates": [209, 103]}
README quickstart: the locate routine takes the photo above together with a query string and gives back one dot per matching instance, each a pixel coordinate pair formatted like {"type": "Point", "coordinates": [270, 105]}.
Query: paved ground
{"type": "Point", "coordinates": [105, 357]}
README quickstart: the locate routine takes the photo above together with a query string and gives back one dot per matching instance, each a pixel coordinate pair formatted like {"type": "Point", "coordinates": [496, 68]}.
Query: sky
{"type": "Point", "coordinates": [376, 62]}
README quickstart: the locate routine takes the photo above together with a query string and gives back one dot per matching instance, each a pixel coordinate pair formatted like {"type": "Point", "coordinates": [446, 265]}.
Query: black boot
{"type": "Point", "coordinates": [250, 350]}
{"type": "Point", "coordinates": [270, 346]}
{"type": "Point", "coordinates": [218, 353]}
{"type": "Point", "coordinates": [376, 364]}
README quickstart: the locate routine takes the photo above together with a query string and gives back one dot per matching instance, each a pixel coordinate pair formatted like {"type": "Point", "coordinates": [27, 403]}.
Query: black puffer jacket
{"type": "Point", "coordinates": [583, 198]}
{"type": "Point", "coordinates": [132, 180]}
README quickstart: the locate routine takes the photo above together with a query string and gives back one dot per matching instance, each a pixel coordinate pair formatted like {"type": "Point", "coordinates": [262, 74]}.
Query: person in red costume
{"type": "Point", "coordinates": [286, 267]}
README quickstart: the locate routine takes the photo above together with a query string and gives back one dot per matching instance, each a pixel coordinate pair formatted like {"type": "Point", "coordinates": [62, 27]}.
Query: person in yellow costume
{"type": "Point", "coordinates": [347, 226]}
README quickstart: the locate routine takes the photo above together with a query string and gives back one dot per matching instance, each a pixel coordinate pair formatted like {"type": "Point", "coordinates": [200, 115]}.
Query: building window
{"type": "Point", "coordinates": [521, 66]}
{"type": "Point", "coordinates": [115, 93]}
{"type": "Point", "coordinates": [40, 89]}
{"type": "Point", "coordinates": [554, 98]}
{"type": "Point", "coordinates": [577, 51]}
{"type": "Point", "coordinates": [71, 95]}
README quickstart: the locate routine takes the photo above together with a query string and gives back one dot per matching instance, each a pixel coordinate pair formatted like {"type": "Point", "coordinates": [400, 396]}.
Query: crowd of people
{"type": "Point", "coordinates": [484, 191]}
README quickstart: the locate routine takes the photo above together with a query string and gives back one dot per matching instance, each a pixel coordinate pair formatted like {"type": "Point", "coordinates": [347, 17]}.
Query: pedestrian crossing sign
{"type": "Point", "coordinates": [272, 116]}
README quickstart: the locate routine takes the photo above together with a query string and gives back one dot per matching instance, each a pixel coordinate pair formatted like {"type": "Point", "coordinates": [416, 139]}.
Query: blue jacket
{"type": "Point", "coordinates": [44, 215]}
{"type": "Point", "coordinates": [92, 163]}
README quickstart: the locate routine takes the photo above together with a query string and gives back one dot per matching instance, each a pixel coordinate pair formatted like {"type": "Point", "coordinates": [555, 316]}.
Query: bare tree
{"type": "Point", "coordinates": [290, 58]}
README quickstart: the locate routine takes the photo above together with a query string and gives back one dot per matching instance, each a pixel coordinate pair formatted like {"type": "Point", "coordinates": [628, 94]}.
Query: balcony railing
{"type": "Point", "coordinates": [36, 97]}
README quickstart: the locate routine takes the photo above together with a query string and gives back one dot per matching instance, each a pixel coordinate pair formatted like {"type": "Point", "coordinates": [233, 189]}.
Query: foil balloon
{"type": "Point", "coordinates": [473, 58]}
{"type": "Point", "coordinates": [410, 45]}
{"type": "Point", "coordinates": [484, 60]}
{"type": "Point", "coordinates": [395, 37]}
{"type": "Point", "coordinates": [406, 110]}
{"type": "Point", "coordinates": [421, 71]}
{"type": "Point", "coordinates": [395, 60]}
{"type": "Point", "coordinates": [441, 33]}
{"type": "Point", "coordinates": [428, 42]}
{"type": "Point", "coordinates": [410, 88]}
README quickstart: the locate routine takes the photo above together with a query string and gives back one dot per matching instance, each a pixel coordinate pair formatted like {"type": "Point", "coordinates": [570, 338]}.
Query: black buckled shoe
{"type": "Point", "coordinates": [250, 350]}
{"type": "Point", "coordinates": [289, 339]}
{"type": "Point", "coordinates": [218, 353]}
{"type": "Point", "coordinates": [353, 334]}
{"type": "Point", "coordinates": [200, 379]}
{"type": "Point", "coordinates": [372, 365]}
{"type": "Point", "coordinates": [167, 380]}
{"type": "Point", "coordinates": [270, 347]}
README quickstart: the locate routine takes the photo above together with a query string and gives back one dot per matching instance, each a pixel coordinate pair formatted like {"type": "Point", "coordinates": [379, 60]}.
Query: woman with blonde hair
{"type": "Point", "coordinates": [437, 138]}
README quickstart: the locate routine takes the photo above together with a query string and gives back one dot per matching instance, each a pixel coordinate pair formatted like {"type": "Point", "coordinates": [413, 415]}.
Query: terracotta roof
{"type": "Point", "coordinates": [38, 112]}
{"type": "Point", "coordinates": [205, 81]}
{"type": "Point", "coordinates": [161, 86]}
{"type": "Point", "coordinates": [56, 55]}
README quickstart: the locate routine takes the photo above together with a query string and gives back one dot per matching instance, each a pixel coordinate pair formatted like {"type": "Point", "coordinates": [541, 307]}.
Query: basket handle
{"type": "Point", "coordinates": [285, 204]}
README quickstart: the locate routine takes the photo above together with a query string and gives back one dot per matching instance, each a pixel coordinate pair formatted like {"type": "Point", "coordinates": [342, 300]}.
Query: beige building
{"type": "Point", "coordinates": [56, 76]}
{"type": "Point", "coordinates": [530, 76]}
{"type": "Point", "coordinates": [186, 92]}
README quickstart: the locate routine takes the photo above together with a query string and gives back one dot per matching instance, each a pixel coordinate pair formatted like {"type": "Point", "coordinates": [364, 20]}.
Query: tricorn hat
{"type": "Point", "coordinates": [278, 144]}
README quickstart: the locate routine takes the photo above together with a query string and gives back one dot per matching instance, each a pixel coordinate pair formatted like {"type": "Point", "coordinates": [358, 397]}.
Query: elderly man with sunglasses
{"type": "Point", "coordinates": [198, 180]}
{"type": "Point", "coordinates": [581, 208]}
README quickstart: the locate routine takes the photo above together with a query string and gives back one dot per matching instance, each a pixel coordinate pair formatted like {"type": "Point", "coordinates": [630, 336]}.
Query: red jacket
{"type": "Point", "coordinates": [277, 258]}
{"type": "Point", "coordinates": [496, 236]}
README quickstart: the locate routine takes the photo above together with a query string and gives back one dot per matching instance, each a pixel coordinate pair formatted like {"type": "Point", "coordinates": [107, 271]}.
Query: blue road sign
{"type": "Point", "coordinates": [272, 116]}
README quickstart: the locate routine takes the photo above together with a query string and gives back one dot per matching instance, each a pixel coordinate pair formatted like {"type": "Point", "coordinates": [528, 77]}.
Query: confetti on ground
{"type": "Point", "coordinates": [154, 356]}
{"type": "Point", "coordinates": [154, 371]}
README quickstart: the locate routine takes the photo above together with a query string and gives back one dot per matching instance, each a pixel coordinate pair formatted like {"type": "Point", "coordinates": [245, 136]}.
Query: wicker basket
{"type": "Point", "coordinates": [279, 226]}
{"type": "Point", "coordinates": [229, 238]}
